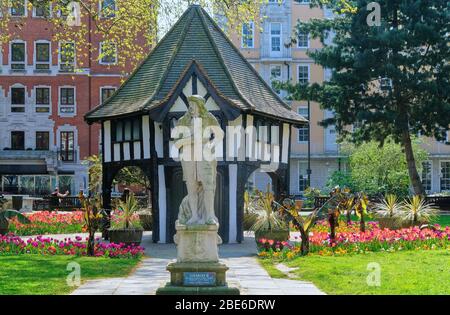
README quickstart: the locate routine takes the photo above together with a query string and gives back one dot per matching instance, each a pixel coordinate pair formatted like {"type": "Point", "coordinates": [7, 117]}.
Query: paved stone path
{"type": "Point", "coordinates": [245, 272]}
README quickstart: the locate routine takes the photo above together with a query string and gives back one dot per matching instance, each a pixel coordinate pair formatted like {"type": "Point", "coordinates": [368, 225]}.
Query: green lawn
{"type": "Point", "coordinates": [408, 272]}
{"type": "Point", "coordinates": [443, 220]}
{"type": "Point", "coordinates": [33, 274]}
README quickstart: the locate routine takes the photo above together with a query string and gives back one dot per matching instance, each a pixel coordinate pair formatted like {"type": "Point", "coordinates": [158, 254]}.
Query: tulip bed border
{"type": "Point", "coordinates": [15, 245]}
{"type": "Point", "coordinates": [350, 241]}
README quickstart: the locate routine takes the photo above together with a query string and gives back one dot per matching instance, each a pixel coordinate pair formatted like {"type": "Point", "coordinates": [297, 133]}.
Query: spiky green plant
{"type": "Point", "coordinates": [265, 210]}
{"type": "Point", "coordinates": [417, 210]}
{"type": "Point", "coordinates": [389, 207]}
{"type": "Point", "coordinates": [129, 207]}
{"type": "Point", "coordinates": [8, 214]}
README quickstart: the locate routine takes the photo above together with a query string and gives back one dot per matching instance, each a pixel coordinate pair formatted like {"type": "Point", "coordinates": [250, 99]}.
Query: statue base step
{"type": "Point", "coordinates": [197, 278]}
{"type": "Point", "coordinates": [197, 269]}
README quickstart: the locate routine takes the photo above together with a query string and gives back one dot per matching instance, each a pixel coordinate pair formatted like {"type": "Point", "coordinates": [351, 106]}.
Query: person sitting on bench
{"type": "Point", "coordinates": [55, 200]}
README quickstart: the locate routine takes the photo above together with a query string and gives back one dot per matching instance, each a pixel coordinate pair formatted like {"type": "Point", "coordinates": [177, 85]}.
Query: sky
{"type": "Point", "coordinates": [169, 13]}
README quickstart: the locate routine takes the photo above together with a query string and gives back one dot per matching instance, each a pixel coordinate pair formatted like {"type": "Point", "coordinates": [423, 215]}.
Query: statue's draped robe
{"type": "Point", "coordinates": [202, 171]}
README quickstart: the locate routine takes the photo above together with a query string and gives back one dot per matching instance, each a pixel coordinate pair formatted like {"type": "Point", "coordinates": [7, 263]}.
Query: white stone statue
{"type": "Point", "coordinates": [197, 153]}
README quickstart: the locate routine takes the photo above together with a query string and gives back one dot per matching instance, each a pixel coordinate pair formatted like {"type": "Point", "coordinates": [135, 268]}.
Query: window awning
{"type": "Point", "coordinates": [23, 169]}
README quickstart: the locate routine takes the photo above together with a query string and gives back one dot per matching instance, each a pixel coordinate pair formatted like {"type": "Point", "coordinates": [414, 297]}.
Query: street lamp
{"type": "Point", "coordinates": [309, 142]}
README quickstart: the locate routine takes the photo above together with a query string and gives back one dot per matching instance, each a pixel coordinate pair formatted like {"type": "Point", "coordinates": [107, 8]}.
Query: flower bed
{"type": "Point", "coordinates": [46, 222]}
{"type": "Point", "coordinates": [349, 240]}
{"type": "Point", "coordinates": [14, 245]}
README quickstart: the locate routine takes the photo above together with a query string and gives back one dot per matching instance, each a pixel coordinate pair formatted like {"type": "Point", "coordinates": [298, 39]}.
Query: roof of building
{"type": "Point", "coordinates": [195, 38]}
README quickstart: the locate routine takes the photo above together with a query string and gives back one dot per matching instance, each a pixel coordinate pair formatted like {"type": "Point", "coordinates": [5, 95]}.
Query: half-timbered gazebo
{"type": "Point", "coordinates": [195, 58]}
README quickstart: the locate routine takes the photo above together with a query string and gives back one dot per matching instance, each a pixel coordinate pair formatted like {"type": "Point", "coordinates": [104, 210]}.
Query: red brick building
{"type": "Point", "coordinates": [44, 94]}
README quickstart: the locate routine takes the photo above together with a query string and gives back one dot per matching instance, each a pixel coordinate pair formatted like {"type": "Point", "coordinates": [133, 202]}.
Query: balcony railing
{"type": "Point", "coordinates": [26, 154]}
{"type": "Point", "coordinates": [67, 156]}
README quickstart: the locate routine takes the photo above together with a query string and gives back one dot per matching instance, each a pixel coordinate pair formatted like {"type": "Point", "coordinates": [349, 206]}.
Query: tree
{"type": "Point", "coordinates": [134, 175]}
{"type": "Point", "coordinates": [379, 170]}
{"type": "Point", "coordinates": [129, 26]}
{"type": "Point", "coordinates": [388, 81]}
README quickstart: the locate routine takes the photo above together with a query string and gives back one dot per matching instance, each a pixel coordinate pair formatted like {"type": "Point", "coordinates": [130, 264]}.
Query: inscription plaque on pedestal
{"type": "Point", "coordinates": [199, 279]}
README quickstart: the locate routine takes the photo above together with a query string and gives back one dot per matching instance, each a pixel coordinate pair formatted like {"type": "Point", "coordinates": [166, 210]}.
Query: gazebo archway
{"type": "Point", "coordinates": [136, 181]}
{"type": "Point", "coordinates": [177, 191]}
{"type": "Point", "coordinates": [110, 172]}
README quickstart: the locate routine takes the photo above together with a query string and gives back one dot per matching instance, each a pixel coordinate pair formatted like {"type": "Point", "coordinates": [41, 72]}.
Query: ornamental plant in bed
{"type": "Point", "coordinates": [46, 222]}
{"type": "Point", "coordinates": [350, 240]}
{"type": "Point", "coordinates": [14, 245]}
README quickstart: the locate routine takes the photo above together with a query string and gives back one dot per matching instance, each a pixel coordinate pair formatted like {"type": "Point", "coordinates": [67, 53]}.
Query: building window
{"type": "Point", "coordinates": [248, 35]}
{"type": "Point", "coordinates": [41, 9]}
{"type": "Point", "coordinates": [302, 176]}
{"type": "Point", "coordinates": [42, 56]}
{"type": "Point", "coordinates": [445, 176]}
{"type": "Point", "coordinates": [18, 100]}
{"type": "Point", "coordinates": [10, 184]}
{"type": "Point", "coordinates": [108, 8]}
{"type": "Point", "coordinates": [426, 175]}
{"type": "Point", "coordinates": [17, 140]}
{"type": "Point", "coordinates": [108, 53]}
{"type": "Point", "coordinates": [18, 56]}
{"type": "Point", "coordinates": [127, 130]}
{"type": "Point", "coordinates": [303, 74]}
{"type": "Point", "coordinates": [42, 140]}
{"type": "Point", "coordinates": [66, 183]}
{"type": "Point", "coordinates": [42, 185]}
{"type": "Point", "coordinates": [67, 57]}
{"type": "Point", "coordinates": [106, 93]}
{"type": "Point", "coordinates": [18, 8]}
{"type": "Point", "coordinates": [303, 132]}
{"type": "Point", "coordinates": [42, 100]}
{"type": "Point", "coordinates": [64, 9]}
{"type": "Point", "coordinates": [275, 76]}
{"type": "Point", "coordinates": [303, 40]}
{"type": "Point", "coordinates": [67, 100]}
{"type": "Point", "coordinates": [275, 37]}
{"type": "Point", "coordinates": [67, 145]}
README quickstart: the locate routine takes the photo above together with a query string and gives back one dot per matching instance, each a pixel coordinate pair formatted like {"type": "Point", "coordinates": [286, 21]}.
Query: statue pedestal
{"type": "Point", "coordinates": [197, 270]}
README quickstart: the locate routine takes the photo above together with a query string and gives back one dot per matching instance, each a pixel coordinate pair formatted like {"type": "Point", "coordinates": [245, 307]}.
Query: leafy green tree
{"type": "Point", "coordinates": [388, 81]}
{"type": "Point", "coordinates": [381, 170]}
{"type": "Point", "coordinates": [342, 179]}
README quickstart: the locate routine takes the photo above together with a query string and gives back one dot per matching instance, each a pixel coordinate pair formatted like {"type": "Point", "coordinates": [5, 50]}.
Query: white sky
{"type": "Point", "coordinates": [169, 13]}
